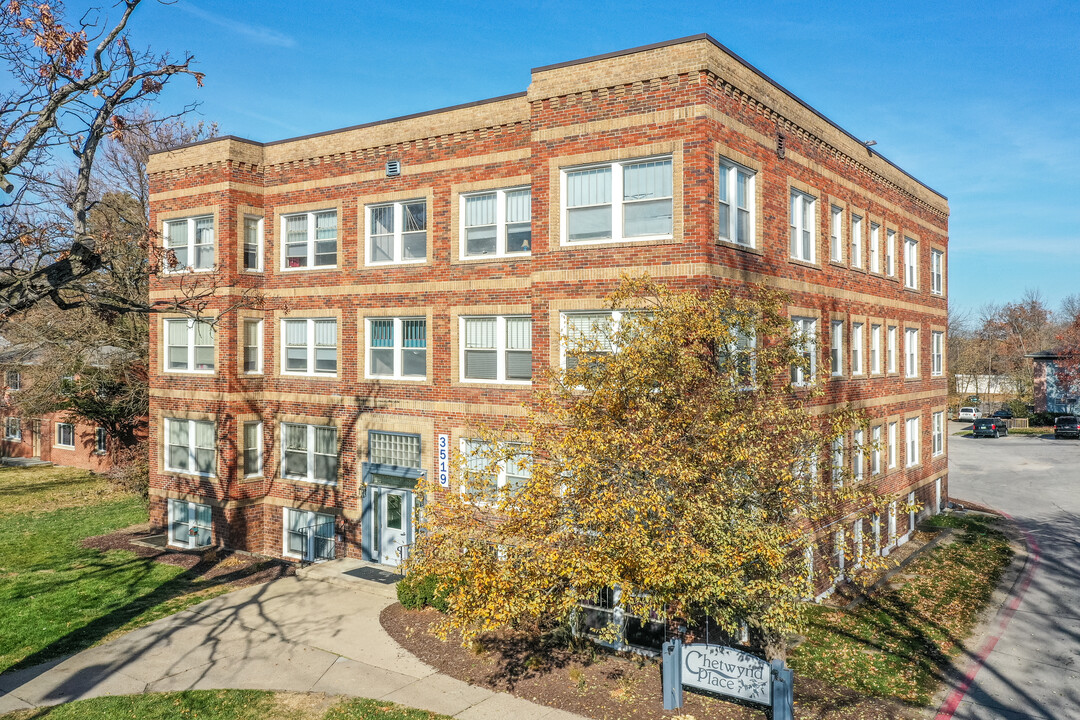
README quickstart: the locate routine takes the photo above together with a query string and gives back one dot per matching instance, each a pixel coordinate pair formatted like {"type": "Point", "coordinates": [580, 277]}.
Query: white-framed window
{"type": "Point", "coordinates": [802, 226]}
{"type": "Point", "coordinates": [911, 352]}
{"type": "Point", "coordinates": [253, 346]}
{"type": "Point", "coordinates": [805, 330]}
{"type": "Point", "coordinates": [857, 340]}
{"type": "Point", "coordinates": [397, 232]}
{"type": "Point", "coordinates": [937, 433]}
{"type": "Point", "coordinates": [937, 353]}
{"type": "Point", "coordinates": [253, 448]}
{"type": "Point", "coordinates": [12, 429]}
{"type": "Point", "coordinates": [190, 446]}
{"type": "Point", "coordinates": [397, 348]}
{"type": "Point", "coordinates": [839, 551]}
{"type": "Point", "coordinates": [190, 244]}
{"type": "Point", "coordinates": [310, 453]}
{"type": "Point", "coordinates": [309, 240]}
{"type": "Point", "coordinates": [857, 541]}
{"type": "Point", "coordinates": [875, 450]}
{"type": "Point", "coordinates": [892, 523]}
{"type": "Point", "coordinates": [253, 243]}
{"type": "Point", "coordinates": [890, 253]}
{"type": "Point", "coordinates": [189, 345]}
{"type": "Point", "coordinates": [856, 241]}
{"type": "Point", "coordinates": [911, 510]}
{"type": "Point", "coordinates": [307, 535]}
{"type": "Point", "coordinates": [891, 446]}
{"type": "Point", "coordinates": [511, 474]}
{"type": "Point", "coordinates": [875, 349]}
{"type": "Point", "coordinates": [310, 346]}
{"type": "Point", "coordinates": [911, 263]}
{"type": "Point", "coordinates": [937, 272]}
{"type": "Point", "coordinates": [190, 524]}
{"type": "Point", "coordinates": [496, 348]}
{"type": "Point", "coordinates": [836, 347]}
{"type": "Point", "coordinates": [13, 380]}
{"type": "Point", "coordinates": [892, 349]}
{"type": "Point", "coordinates": [65, 435]}
{"type": "Point", "coordinates": [101, 441]}
{"type": "Point", "coordinates": [875, 528]}
{"type": "Point", "coordinates": [739, 358]}
{"type": "Point", "coordinates": [735, 197]}
{"type": "Point", "coordinates": [858, 455]}
{"type": "Point", "coordinates": [836, 242]}
{"type": "Point", "coordinates": [911, 437]}
{"type": "Point", "coordinates": [837, 454]}
{"type": "Point", "coordinates": [495, 223]}
{"type": "Point", "coordinates": [628, 200]}
{"type": "Point", "coordinates": [875, 247]}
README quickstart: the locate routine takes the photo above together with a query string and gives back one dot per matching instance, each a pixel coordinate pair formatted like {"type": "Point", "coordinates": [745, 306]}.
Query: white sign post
{"type": "Point", "coordinates": [444, 460]}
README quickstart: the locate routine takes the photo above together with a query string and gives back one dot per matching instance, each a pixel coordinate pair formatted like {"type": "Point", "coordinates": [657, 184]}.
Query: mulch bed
{"type": "Point", "coordinates": [599, 684]}
{"type": "Point", "coordinates": [212, 567]}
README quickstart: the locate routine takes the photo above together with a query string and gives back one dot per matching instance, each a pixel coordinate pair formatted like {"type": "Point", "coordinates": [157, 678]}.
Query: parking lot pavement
{"type": "Point", "coordinates": [1033, 668]}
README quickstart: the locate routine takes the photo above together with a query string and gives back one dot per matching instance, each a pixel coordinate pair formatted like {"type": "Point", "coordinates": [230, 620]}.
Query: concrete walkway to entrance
{"type": "Point", "coordinates": [291, 634]}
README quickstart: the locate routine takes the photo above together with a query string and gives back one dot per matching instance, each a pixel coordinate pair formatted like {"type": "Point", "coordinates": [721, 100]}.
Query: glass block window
{"type": "Point", "coordinates": [394, 449]}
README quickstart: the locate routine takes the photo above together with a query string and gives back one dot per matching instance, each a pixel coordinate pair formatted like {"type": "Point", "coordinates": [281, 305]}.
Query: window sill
{"type": "Point", "coordinates": [463, 382]}
{"type": "Point", "coordinates": [317, 268]}
{"type": "Point", "coordinates": [187, 271]}
{"type": "Point", "coordinates": [310, 376]}
{"type": "Point", "coordinates": [739, 246]}
{"type": "Point", "coordinates": [619, 242]}
{"type": "Point", "coordinates": [395, 263]}
{"type": "Point", "coordinates": [307, 481]}
{"type": "Point", "coordinates": [396, 379]}
{"type": "Point", "coordinates": [189, 372]}
{"type": "Point", "coordinates": [63, 447]}
{"type": "Point", "coordinates": [478, 259]}
{"type": "Point", "coordinates": [804, 263]}
{"type": "Point", "coordinates": [185, 473]}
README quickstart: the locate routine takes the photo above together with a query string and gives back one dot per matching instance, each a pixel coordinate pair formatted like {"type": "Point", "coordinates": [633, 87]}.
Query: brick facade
{"type": "Point", "coordinates": [689, 101]}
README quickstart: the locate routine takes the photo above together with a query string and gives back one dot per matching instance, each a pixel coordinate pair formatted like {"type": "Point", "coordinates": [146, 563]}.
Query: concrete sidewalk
{"type": "Point", "coordinates": [290, 634]}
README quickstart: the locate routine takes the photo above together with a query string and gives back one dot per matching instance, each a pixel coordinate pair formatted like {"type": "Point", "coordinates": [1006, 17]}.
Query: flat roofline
{"type": "Point", "coordinates": [361, 126]}
{"type": "Point", "coordinates": [747, 65]}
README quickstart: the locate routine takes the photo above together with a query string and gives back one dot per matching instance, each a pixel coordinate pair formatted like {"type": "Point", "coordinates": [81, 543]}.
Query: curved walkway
{"type": "Point", "coordinates": [289, 634]}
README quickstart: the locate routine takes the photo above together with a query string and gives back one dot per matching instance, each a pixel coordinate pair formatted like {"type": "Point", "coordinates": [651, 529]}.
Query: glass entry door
{"type": "Point", "coordinates": [392, 525]}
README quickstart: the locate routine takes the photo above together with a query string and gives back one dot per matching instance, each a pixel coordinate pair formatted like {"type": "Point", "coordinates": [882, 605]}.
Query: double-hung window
{"type": "Point", "coordinates": [875, 247]}
{"type": "Point", "coordinates": [397, 232]}
{"type": "Point", "coordinates": [890, 253]}
{"type": "Point", "coordinates": [308, 535]}
{"type": "Point", "coordinates": [190, 244]}
{"type": "Point", "coordinates": [12, 429]}
{"type": "Point", "coordinates": [13, 380]}
{"type": "Point", "coordinates": [735, 197]}
{"type": "Point", "coordinates": [836, 347]}
{"type": "Point", "coordinates": [875, 450]}
{"type": "Point", "coordinates": [858, 455]}
{"type": "Point", "coordinates": [938, 433]}
{"type": "Point", "coordinates": [253, 348]}
{"type": "Point", "coordinates": [190, 446]}
{"type": "Point", "coordinates": [189, 524]}
{"type": "Point", "coordinates": [805, 331]}
{"type": "Point", "coordinates": [856, 241]}
{"type": "Point", "coordinates": [310, 453]}
{"type": "Point", "coordinates": [310, 240]}
{"type": "Point", "coordinates": [911, 263]}
{"type": "Point", "coordinates": [631, 200]}
{"type": "Point", "coordinates": [891, 447]}
{"type": "Point", "coordinates": [253, 243]}
{"type": "Point", "coordinates": [836, 241]}
{"type": "Point", "coordinates": [875, 349]}
{"type": "Point", "coordinates": [911, 352]}
{"type": "Point", "coordinates": [892, 350]}
{"type": "Point", "coordinates": [310, 346]}
{"type": "Point", "coordinates": [857, 341]}
{"type": "Point", "coordinates": [397, 348]}
{"type": "Point", "coordinates": [189, 345]}
{"type": "Point", "coordinates": [496, 348]}
{"type": "Point", "coordinates": [490, 471]}
{"type": "Point", "coordinates": [911, 435]}
{"type": "Point", "coordinates": [101, 441]}
{"type": "Point", "coordinates": [802, 226]}
{"type": "Point", "coordinates": [937, 353]}
{"type": "Point", "coordinates": [496, 223]}
{"type": "Point", "coordinates": [587, 335]}
{"type": "Point", "coordinates": [838, 461]}
{"type": "Point", "coordinates": [739, 358]}
{"type": "Point", "coordinates": [253, 448]}
{"type": "Point", "coordinates": [937, 272]}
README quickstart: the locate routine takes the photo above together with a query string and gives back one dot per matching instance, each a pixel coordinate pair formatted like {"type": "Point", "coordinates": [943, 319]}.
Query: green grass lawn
{"type": "Point", "coordinates": [58, 597]}
{"type": "Point", "coordinates": [226, 705]}
{"type": "Point", "coordinates": [899, 642]}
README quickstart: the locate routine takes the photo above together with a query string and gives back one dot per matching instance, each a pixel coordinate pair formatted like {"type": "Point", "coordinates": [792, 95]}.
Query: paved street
{"type": "Point", "coordinates": [1034, 669]}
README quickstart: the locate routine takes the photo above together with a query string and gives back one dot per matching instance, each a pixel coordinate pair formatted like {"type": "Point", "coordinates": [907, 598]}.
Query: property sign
{"type": "Point", "coordinates": [726, 671]}
{"type": "Point", "coordinates": [444, 460]}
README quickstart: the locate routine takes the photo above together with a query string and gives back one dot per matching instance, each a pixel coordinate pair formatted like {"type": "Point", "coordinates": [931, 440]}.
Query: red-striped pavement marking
{"type": "Point", "coordinates": [952, 702]}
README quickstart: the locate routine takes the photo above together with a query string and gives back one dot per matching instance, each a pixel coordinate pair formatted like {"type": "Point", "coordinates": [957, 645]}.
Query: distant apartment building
{"type": "Point", "coordinates": [418, 273]}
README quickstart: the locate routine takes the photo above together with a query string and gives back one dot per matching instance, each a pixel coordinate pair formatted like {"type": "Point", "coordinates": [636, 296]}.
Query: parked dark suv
{"type": "Point", "coordinates": [989, 427]}
{"type": "Point", "coordinates": [1005, 414]}
{"type": "Point", "coordinates": [1066, 426]}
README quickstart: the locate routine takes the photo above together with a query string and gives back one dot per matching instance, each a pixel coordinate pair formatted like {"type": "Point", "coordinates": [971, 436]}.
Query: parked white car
{"type": "Point", "coordinates": [969, 413]}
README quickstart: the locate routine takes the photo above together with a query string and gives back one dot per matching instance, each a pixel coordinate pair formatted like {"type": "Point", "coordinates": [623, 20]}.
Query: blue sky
{"type": "Point", "coordinates": [980, 101]}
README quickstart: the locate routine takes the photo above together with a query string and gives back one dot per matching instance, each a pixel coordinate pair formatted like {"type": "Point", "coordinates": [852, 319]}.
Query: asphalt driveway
{"type": "Point", "coordinates": [1033, 670]}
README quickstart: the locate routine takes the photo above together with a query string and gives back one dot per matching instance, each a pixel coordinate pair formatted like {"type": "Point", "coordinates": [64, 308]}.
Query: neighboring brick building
{"type": "Point", "coordinates": [417, 272]}
{"type": "Point", "coordinates": [1053, 393]}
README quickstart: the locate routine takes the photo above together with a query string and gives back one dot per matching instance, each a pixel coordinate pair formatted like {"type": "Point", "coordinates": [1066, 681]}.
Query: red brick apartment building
{"type": "Point", "coordinates": [418, 273]}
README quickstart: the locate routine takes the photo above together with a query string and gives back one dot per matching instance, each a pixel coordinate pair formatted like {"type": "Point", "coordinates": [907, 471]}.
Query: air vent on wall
{"type": "Point", "coordinates": [393, 168]}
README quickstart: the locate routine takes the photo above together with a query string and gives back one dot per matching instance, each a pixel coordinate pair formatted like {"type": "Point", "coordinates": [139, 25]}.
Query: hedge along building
{"type": "Point", "coordinates": [419, 272]}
